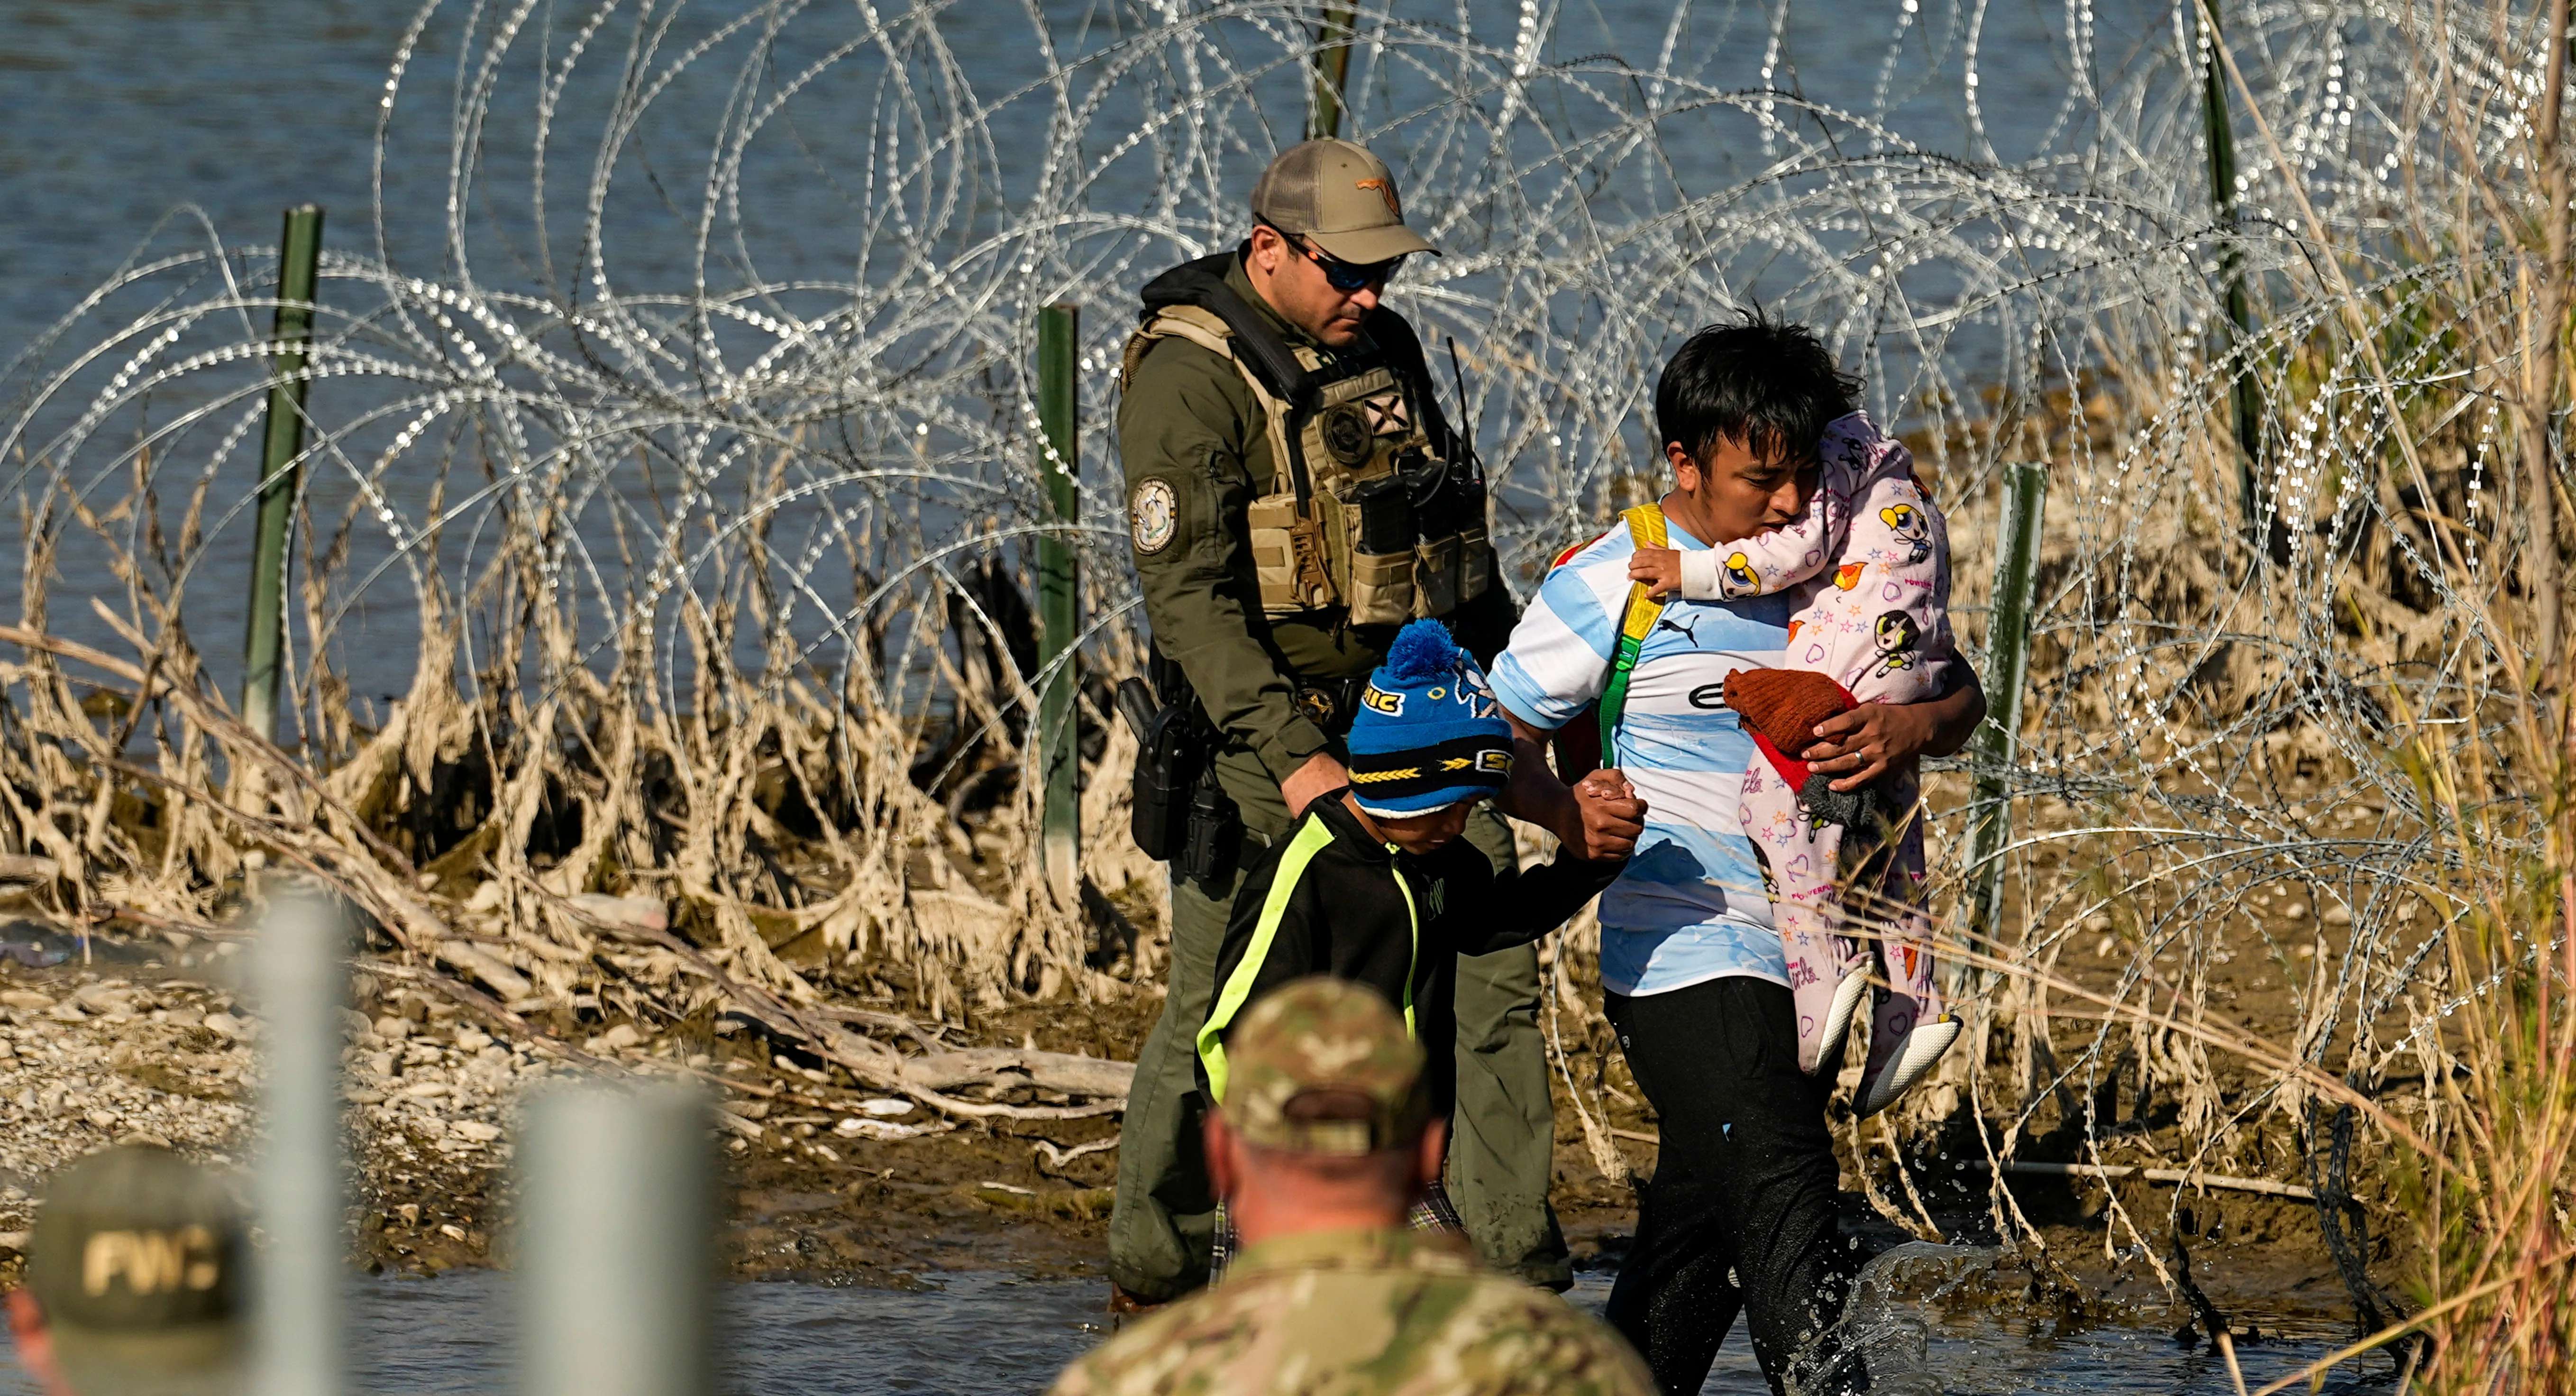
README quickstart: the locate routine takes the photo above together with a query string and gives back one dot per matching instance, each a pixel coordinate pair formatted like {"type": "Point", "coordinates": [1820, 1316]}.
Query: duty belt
{"type": "Point", "coordinates": [1328, 703]}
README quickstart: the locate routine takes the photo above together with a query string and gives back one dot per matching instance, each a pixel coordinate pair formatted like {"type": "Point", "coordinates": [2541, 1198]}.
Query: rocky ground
{"type": "Point", "coordinates": [829, 1180]}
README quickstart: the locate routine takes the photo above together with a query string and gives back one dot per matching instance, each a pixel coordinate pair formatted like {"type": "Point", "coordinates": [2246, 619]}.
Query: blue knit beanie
{"type": "Point", "coordinates": [1428, 733]}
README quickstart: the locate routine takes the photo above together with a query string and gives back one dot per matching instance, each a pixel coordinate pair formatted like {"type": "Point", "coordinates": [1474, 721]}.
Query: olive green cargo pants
{"type": "Point", "coordinates": [1502, 1138]}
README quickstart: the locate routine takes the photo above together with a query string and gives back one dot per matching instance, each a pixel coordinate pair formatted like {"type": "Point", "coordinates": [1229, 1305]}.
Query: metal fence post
{"type": "Point", "coordinates": [299, 257]}
{"type": "Point", "coordinates": [1332, 67]}
{"type": "Point", "coordinates": [1998, 742]}
{"type": "Point", "coordinates": [302, 981]}
{"type": "Point", "coordinates": [2245, 396]}
{"type": "Point", "coordinates": [617, 1258]}
{"type": "Point", "coordinates": [1060, 465]}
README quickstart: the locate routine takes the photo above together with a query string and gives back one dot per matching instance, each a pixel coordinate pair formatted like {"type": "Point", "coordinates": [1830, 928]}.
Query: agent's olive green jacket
{"type": "Point", "coordinates": [1190, 433]}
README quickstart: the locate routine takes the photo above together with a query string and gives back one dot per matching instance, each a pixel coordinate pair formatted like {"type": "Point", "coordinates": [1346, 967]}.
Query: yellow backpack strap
{"type": "Point", "coordinates": [1646, 526]}
{"type": "Point", "coordinates": [1313, 836]}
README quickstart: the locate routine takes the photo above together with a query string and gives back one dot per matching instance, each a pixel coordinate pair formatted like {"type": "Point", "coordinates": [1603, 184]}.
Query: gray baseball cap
{"type": "Point", "coordinates": [1343, 199]}
{"type": "Point", "coordinates": [137, 1262]}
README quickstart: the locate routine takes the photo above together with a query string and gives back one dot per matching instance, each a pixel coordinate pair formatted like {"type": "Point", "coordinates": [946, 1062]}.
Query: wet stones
{"type": "Point", "coordinates": [85, 1063]}
{"type": "Point", "coordinates": [617, 1039]}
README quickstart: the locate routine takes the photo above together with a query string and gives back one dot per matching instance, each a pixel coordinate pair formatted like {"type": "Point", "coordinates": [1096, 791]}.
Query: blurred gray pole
{"type": "Point", "coordinates": [299, 259]}
{"type": "Point", "coordinates": [617, 1242]}
{"type": "Point", "coordinates": [302, 984]}
{"type": "Point", "coordinates": [1998, 743]}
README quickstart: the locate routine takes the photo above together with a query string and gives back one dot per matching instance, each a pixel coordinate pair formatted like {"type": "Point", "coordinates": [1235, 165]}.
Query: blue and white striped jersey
{"type": "Point", "coordinates": [1690, 907]}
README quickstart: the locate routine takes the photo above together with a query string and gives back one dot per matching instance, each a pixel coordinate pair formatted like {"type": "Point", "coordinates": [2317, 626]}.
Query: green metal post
{"type": "Point", "coordinates": [1332, 67]}
{"type": "Point", "coordinates": [2244, 393]}
{"type": "Point", "coordinates": [1059, 464]}
{"type": "Point", "coordinates": [1998, 743]}
{"type": "Point", "coordinates": [299, 257]}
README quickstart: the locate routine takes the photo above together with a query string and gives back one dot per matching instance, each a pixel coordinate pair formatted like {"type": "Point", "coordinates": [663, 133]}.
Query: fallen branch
{"type": "Point", "coordinates": [2156, 1175]}
{"type": "Point", "coordinates": [111, 911]}
{"type": "Point", "coordinates": [1058, 1156]}
{"type": "Point", "coordinates": [886, 1069]}
{"type": "Point", "coordinates": [888, 1022]}
{"type": "Point", "coordinates": [997, 1066]}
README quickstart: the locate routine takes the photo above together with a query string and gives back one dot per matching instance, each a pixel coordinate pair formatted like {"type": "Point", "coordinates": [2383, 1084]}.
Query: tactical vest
{"type": "Point", "coordinates": [1372, 506]}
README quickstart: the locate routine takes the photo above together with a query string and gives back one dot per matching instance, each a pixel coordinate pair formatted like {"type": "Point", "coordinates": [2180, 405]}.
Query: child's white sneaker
{"type": "Point", "coordinates": [1822, 1055]}
{"type": "Point", "coordinates": [1909, 1061]}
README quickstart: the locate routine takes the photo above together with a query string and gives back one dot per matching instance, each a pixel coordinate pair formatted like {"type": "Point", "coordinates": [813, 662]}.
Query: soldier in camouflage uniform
{"type": "Point", "coordinates": [1294, 496]}
{"type": "Point", "coordinates": [1324, 1140]}
{"type": "Point", "coordinates": [134, 1283]}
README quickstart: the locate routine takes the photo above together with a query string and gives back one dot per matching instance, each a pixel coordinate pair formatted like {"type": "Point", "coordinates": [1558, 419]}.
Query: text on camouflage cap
{"type": "Point", "coordinates": [136, 1261]}
{"type": "Point", "coordinates": [1324, 1066]}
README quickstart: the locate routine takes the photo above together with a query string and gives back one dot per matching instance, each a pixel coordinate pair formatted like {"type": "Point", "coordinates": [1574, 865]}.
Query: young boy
{"type": "Point", "coordinates": [1374, 885]}
{"type": "Point", "coordinates": [1879, 633]}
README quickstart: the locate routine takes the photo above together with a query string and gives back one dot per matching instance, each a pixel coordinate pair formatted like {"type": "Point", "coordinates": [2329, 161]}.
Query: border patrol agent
{"type": "Point", "coordinates": [1294, 496]}
{"type": "Point", "coordinates": [1325, 1137]}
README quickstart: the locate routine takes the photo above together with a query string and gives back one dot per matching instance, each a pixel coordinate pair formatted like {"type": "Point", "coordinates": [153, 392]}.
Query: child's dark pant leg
{"type": "Point", "coordinates": [1745, 1182]}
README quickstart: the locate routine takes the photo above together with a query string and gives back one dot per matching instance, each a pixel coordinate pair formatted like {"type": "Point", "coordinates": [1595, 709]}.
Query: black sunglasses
{"type": "Point", "coordinates": [1344, 276]}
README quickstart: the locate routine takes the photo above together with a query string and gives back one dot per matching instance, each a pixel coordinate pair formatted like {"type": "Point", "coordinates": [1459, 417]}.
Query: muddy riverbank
{"type": "Point", "coordinates": [831, 1182]}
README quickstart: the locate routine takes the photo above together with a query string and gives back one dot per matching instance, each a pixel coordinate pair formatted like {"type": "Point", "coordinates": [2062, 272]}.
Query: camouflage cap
{"type": "Point", "coordinates": [1336, 194]}
{"type": "Point", "coordinates": [1324, 1066]}
{"type": "Point", "coordinates": [136, 1261]}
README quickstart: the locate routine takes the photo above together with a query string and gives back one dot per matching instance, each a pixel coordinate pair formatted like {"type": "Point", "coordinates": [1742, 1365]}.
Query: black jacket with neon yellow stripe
{"type": "Point", "coordinates": [1329, 899]}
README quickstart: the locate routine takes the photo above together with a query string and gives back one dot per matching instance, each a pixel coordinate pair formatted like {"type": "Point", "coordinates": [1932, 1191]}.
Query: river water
{"type": "Point", "coordinates": [981, 1333]}
{"type": "Point", "coordinates": [210, 116]}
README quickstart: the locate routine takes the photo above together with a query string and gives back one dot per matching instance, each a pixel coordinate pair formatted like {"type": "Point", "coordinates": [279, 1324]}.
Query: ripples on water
{"type": "Point", "coordinates": [980, 1333]}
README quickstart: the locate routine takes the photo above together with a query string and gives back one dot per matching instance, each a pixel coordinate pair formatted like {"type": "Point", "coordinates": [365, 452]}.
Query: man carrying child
{"type": "Point", "coordinates": [1742, 1211]}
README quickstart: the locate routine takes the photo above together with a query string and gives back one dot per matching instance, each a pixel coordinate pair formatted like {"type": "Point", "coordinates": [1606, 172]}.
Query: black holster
{"type": "Point", "coordinates": [1179, 813]}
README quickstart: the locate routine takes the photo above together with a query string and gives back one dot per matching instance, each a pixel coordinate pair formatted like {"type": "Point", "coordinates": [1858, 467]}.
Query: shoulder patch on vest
{"type": "Point", "coordinates": [1153, 515]}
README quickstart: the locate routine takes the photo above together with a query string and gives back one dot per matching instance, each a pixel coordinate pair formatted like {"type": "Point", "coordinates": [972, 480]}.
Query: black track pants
{"type": "Point", "coordinates": [1745, 1182]}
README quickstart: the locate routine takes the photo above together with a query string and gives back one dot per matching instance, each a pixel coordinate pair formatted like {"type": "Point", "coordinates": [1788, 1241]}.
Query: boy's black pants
{"type": "Point", "coordinates": [1745, 1182]}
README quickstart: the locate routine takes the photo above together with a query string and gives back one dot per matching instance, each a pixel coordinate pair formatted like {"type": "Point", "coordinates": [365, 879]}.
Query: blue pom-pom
{"type": "Point", "coordinates": [1422, 652]}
